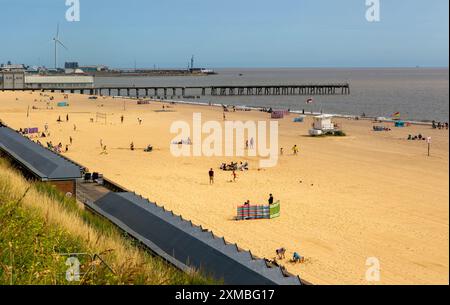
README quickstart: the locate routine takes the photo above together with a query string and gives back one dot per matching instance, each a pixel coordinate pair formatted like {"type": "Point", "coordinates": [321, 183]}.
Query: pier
{"type": "Point", "coordinates": [197, 91]}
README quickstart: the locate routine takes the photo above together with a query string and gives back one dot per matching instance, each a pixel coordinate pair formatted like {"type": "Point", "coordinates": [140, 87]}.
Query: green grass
{"type": "Point", "coordinates": [38, 225]}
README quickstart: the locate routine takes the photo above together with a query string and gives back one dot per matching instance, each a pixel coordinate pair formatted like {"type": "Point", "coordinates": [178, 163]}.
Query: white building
{"type": "Point", "coordinates": [58, 82]}
{"type": "Point", "coordinates": [322, 124]}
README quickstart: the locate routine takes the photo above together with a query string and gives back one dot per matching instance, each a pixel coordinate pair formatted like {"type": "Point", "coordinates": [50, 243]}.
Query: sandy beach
{"type": "Point", "coordinates": [343, 199]}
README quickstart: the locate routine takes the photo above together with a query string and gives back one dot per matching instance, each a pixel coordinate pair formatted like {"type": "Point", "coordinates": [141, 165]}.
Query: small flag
{"type": "Point", "coordinates": [309, 101]}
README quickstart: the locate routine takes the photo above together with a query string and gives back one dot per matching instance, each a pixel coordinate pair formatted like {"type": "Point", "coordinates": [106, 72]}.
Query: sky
{"type": "Point", "coordinates": [231, 33]}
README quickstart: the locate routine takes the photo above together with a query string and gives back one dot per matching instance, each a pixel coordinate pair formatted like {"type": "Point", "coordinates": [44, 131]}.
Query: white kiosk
{"type": "Point", "coordinates": [322, 124]}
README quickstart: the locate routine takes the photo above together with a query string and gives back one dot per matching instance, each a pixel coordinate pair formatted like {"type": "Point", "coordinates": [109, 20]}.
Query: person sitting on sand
{"type": "Point", "coordinates": [297, 258]}
{"type": "Point", "coordinates": [295, 149]}
{"type": "Point", "coordinates": [132, 146]}
{"type": "Point", "coordinates": [247, 203]}
{"type": "Point", "coordinates": [104, 152]}
{"type": "Point", "coordinates": [270, 199]}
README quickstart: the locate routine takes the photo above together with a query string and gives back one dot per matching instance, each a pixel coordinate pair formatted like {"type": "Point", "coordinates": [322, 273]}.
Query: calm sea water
{"type": "Point", "coordinates": [417, 93]}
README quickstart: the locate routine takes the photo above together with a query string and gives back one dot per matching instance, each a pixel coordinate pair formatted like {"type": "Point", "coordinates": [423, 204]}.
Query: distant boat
{"type": "Point", "coordinates": [207, 71]}
{"type": "Point", "coordinates": [240, 74]}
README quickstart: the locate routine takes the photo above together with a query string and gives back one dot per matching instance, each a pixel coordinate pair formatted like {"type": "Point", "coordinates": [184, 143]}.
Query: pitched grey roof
{"type": "Point", "coordinates": [185, 245]}
{"type": "Point", "coordinates": [44, 163]}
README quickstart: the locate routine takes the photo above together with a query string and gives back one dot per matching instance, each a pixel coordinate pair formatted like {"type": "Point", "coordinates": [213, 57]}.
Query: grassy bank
{"type": "Point", "coordinates": [38, 226]}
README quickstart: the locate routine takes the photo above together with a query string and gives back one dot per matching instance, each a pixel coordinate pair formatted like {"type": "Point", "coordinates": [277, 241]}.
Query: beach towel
{"type": "Point", "coordinates": [31, 130]}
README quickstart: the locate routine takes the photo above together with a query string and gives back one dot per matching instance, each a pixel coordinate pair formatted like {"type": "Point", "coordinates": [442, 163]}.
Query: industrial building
{"type": "Point", "coordinates": [20, 80]}
{"type": "Point", "coordinates": [12, 80]}
{"type": "Point", "coordinates": [59, 81]}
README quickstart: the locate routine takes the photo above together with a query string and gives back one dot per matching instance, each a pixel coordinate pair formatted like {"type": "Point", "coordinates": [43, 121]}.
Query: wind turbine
{"type": "Point", "coordinates": [57, 41]}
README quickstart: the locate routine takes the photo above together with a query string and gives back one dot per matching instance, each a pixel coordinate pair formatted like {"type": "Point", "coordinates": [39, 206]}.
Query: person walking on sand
{"type": "Point", "coordinates": [281, 151]}
{"type": "Point", "coordinates": [70, 140]}
{"type": "Point", "coordinates": [224, 116]}
{"type": "Point", "coordinates": [74, 127]}
{"type": "Point", "coordinates": [211, 176]}
{"type": "Point", "coordinates": [252, 143]}
{"type": "Point", "coordinates": [104, 151]}
{"type": "Point", "coordinates": [67, 117]}
{"type": "Point", "coordinates": [46, 127]}
{"type": "Point", "coordinates": [121, 119]}
{"type": "Point", "coordinates": [295, 150]}
{"type": "Point", "coordinates": [234, 175]}
{"type": "Point", "coordinates": [101, 143]}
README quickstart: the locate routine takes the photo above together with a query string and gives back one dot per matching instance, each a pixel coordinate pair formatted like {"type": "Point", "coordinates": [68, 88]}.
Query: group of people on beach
{"type": "Point", "coordinates": [59, 120]}
{"type": "Point", "coordinates": [56, 148]}
{"type": "Point", "coordinates": [234, 166]}
{"type": "Point", "coordinates": [270, 201]}
{"type": "Point", "coordinates": [418, 137]}
{"type": "Point", "coordinates": [439, 125]}
{"type": "Point", "coordinates": [296, 257]}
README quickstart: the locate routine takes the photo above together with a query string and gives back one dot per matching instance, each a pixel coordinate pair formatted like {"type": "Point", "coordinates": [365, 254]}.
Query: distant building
{"type": "Point", "coordinates": [12, 80]}
{"type": "Point", "coordinates": [58, 82]}
{"type": "Point", "coordinates": [94, 69]}
{"type": "Point", "coordinates": [71, 65]}
{"type": "Point", "coordinates": [12, 68]}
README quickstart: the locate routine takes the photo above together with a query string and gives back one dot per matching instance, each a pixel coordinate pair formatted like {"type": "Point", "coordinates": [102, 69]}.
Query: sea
{"type": "Point", "coordinates": [419, 94]}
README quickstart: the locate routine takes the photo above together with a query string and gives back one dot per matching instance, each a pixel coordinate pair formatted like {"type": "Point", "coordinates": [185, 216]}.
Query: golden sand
{"type": "Point", "coordinates": [344, 200]}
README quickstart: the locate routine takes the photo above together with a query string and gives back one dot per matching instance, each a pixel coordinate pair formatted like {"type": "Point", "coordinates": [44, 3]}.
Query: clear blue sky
{"type": "Point", "coordinates": [231, 33]}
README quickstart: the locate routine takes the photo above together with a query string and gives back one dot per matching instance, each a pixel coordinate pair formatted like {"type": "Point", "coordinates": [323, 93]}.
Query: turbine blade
{"type": "Point", "coordinates": [57, 30]}
{"type": "Point", "coordinates": [62, 44]}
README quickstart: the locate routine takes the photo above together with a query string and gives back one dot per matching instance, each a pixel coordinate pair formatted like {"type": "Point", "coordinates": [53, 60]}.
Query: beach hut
{"type": "Point", "coordinates": [39, 163]}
